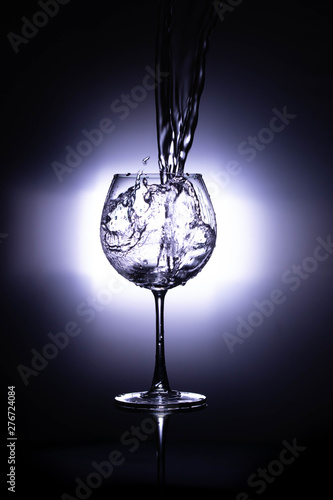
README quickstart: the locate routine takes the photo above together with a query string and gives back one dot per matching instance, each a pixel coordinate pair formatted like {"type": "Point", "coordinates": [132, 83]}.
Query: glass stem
{"type": "Point", "coordinates": [160, 384]}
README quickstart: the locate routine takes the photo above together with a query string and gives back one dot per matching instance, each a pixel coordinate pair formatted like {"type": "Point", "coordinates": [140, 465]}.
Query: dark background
{"type": "Point", "coordinates": [277, 385]}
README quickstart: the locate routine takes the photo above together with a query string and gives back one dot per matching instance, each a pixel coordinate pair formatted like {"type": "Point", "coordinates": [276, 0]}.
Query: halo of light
{"type": "Point", "coordinates": [238, 256]}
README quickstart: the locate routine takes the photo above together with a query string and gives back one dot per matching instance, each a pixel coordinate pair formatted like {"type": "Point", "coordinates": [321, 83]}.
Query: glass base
{"type": "Point", "coordinates": [172, 400]}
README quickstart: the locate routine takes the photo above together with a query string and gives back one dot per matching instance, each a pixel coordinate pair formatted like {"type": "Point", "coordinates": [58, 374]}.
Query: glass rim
{"type": "Point", "coordinates": [154, 174]}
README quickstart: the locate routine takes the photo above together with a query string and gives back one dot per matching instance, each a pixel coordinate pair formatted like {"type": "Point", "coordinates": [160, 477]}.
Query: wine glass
{"type": "Point", "coordinates": [158, 232]}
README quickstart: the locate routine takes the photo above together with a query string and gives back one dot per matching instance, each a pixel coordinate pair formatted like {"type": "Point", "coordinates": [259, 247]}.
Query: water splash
{"type": "Point", "coordinates": [154, 235]}
{"type": "Point", "coordinates": [182, 44]}
{"type": "Point", "coordinates": [157, 235]}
